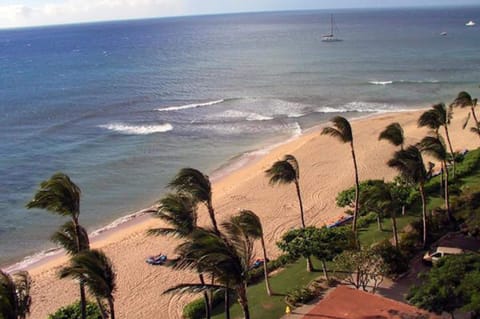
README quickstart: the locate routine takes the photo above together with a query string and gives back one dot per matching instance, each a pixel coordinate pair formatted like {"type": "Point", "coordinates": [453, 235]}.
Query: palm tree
{"type": "Point", "coordinates": [439, 115]}
{"type": "Point", "coordinates": [343, 132]}
{"type": "Point", "coordinates": [379, 198]}
{"type": "Point", "coordinates": [286, 171]}
{"type": "Point", "coordinates": [95, 269]}
{"type": "Point", "coordinates": [61, 196]}
{"type": "Point", "coordinates": [435, 147]}
{"type": "Point", "coordinates": [66, 237]}
{"type": "Point", "coordinates": [464, 99]}
{"type": "Point", "coordinates": [409, 163]}
{"type": "Point", "coordinates": [251, 225]}
{"type": "Point", "coordinates": [179, 212]}
{"type": "Point", "coordinates": [228, 257]}
{"type": "Point", "coordinates": [15, 300]}
{"type": "Point", "coordinates": [195, 183]}
{"type": "Point", "coordinates": [393, 133]}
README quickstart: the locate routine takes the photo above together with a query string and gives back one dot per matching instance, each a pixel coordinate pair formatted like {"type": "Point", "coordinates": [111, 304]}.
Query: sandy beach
{"type": "Point", "coordinates": [325, 169]}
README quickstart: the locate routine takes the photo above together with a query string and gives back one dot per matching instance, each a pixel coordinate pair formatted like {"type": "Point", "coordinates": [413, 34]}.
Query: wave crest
{"type": "Point", "coordinates": [383, 83]}
{"type": "Point", "coordinates": [189, 106]}
{"type": "Point", "coordinates": [137, 129]}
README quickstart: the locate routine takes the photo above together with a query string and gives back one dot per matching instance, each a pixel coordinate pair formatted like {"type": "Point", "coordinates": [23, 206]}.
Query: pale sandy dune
{"type": "Point", "coordinates": [326, 168]}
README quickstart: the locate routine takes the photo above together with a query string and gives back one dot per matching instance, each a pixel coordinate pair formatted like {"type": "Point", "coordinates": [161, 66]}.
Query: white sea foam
{"type": "Point", "coordinates": [381, 82]}
{"type": "Point", "coordinates": [403, 82]}
{"type": "Point", "coordinates": [137, 129]}
{"type": "Point", "coordinates": [248, 116]}
{"type": "Point", "coordinates": [360, 106]}
{"type": "Point", "coordinates": [189, 106]}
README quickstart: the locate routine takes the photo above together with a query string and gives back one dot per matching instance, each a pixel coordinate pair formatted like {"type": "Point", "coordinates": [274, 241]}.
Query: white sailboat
{"type": "Point", "coordinates": [330, 37]}
{"type": "Point", "coordinates": [470, 23]}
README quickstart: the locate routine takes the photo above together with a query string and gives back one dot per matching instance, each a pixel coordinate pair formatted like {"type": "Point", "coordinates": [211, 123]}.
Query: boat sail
{"type": "Point", "coordinates": [330, 37]}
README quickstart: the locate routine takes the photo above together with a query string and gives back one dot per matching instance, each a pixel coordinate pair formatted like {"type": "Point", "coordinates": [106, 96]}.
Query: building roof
{"type": "Point", "coordinates": [347, 303]}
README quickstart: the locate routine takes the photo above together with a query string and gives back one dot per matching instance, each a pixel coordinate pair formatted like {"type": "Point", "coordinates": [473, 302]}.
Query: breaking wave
{"type": "Point", "coordinates": [189, 106]}
{"type": "Point", "coordinates": [137, 129]}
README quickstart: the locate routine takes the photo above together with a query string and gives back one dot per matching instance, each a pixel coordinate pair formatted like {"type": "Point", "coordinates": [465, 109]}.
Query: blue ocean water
{"type": "Point", "coordinates": [121, 106]}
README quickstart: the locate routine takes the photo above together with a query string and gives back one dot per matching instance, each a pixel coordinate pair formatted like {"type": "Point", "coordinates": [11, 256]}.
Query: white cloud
{"type": "Point", "coordinates": [70, 11]}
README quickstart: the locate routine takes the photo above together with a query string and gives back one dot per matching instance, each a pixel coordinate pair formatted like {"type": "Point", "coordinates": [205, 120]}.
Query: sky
{"type": "Point", "coordinates": [21, 13]}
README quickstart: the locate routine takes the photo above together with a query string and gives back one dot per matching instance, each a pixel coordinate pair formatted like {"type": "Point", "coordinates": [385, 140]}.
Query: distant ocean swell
{"type": "Point", "coordinates": [403, 82]}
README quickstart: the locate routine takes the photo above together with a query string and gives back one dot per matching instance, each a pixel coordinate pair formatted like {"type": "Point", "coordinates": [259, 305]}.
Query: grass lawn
{"type": "Point", "coordinates": [264, 307]}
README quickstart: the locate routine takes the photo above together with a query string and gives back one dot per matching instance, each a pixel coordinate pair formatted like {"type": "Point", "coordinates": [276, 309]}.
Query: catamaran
{"type": "Point", "coordinates": [330, 37]}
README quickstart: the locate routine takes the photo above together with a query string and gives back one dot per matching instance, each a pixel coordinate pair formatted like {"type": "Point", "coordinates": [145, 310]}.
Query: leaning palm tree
{"type": "Point", "coordinates": [251, 226]}
{"type": "Point", "coordinates": [409, 163]}
{"type": "Point", "coordinates": [15, 300]}
{"type": "Point", "coordinates": [435, 146]}
{"type": "Point", "coordinates": [286, 171]}
{"type": "Point", "coordinates": [393, 133]}
{"type": "Point", "coordinates": [95, 269]}
{"type": "Point", "coordinates": [61, 196]}
{"type": "Point", "coordinates": [195, 183]}
{"type": "Point", "coordinates": [464, 99]}
{"type": "Point", "coordinates": [342, 130]}
{"type": "Point", "coordinates": [179, 211]}
{"type": "Point", "coordinates": [66, 237]}
{"type": "Point", "coordinates": [227, 256]}
{"type": "Point", "coordinates": [435, 118]}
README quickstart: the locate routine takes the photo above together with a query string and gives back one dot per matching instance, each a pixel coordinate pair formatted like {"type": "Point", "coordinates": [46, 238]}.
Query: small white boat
{"type": "Point", "coordinates": [330, 37]}
{"type": "Point", "coordinates": [443, 34]}
{"type": "Point", "coordinates": [470, 23]}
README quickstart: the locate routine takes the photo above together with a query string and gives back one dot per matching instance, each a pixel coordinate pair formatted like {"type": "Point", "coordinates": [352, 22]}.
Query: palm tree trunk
{"type": "Point", "coordinates": [309, 264]}
{"type": "Point", "coordinates": [112, 308]}
{"type": "Point", "coordinates": [83, 299]}
{"type": "Point", "coordinates": [211, 213]}
{"type": "Point", "coordinates": [357, 190]}
{"type": "Point", "coordinates": [243, 301]}
{"type": "Point", "coordinates": [102, 308]}
{"type": "Point", "coordinates": [205, 297]}
{"type": "Point", "coordinates": [227, 302]}
{"type": "Point", "coordinates": [394, 228]}
{"type": "Point", "coordinates": [210, 292]}
{"type": "Point", "coordinates": [265, 270]}
{"type": "Point", "coordinates": [297, 186]}
{"type": "Point", "coordinates": [451, 151]}
{"type": "Point", "coordinates": [325, 272]}
{"type": "Point", "coordinates": [447, 195]}
{"type": "Point", "coordinates": [403, 210]}
{"type": "Point", "coordinates": [424, 214]}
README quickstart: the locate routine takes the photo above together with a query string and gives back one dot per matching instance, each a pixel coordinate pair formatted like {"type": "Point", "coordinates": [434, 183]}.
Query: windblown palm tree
{"type": "Point", "coordinates": [179, 212]}
{"type": "Point", "coordinates": [409, 163]}
{"type": "Point", "coordinates": [393, 133]}
{"type": "Point", "coordinates": [435, 147]}
{"type": "Point", "coordinates": [379, 198]}
{"type": "Point", "coordinates": [464, 99]}
{"type": "Point", "coordinates": [439, 115]}
{"type": "Point", "coordinates": [15, 300]}
{"type": "Point", "coordinates": [66, 237]}
{"type": "Point", "coordinates": [250, 224]}
{"type": "Point", "coordinates": [228, 257]}
{"type": "Point", "coordinates": [195, 183]}
{"type": "Point", "coordinates": [95, 269]}
{"type": "Point", "coordinates": [60, 195]}
{"type": "Point", "coordinates": [286, 171]}
{"type": "Point", "coordinates": [342, 131]}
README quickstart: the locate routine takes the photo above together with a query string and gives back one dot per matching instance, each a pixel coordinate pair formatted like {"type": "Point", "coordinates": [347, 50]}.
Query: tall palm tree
{"type": "Point", "coordinates": [179, 211]}
{"type": "Point", "coordinates": [286, 171]}
{"type": "Point", "coordinates": [61, 196]}
{"type": "Point", "coordinates": [15, 300]}
{"type": "Point", "coordinates": [464, 99]}
{"type": "Point", "coordinates": [409, 163]}
{"type": "Point", "coordinates": [393, 133]}
{"type": "Point", "coordinates": [228, 257]}
{"type": "Point", "coordinates": [435, 146]}
{"type": "Point", "coordinates": [197, 184]}
{"type": "Point", "coordinates": [250, 224]}
{"type": "Point", "coordinates": [379, 198]}
{"type": "Point", "coordinates": [342, 131]}
{"type": "Point", "coordinates": [435, 118]}
{"type": "Point", "coordinates": [95, 269]}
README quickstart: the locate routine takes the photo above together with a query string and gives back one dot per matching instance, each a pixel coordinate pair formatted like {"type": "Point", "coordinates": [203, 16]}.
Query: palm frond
{"type": "Point", "coordinates": [393, 133]}
{"type": "Point", "coordinates": [179, 211]}
{"type": "Point", "coordinates": [431, 119]}
{"type": "Point", "coordinates": [341, 129]}
{"type": "Point", "coordinates": [66, 237]}
{"type": "Point", "coordinates": [293, 161]}
{"type": "Point", "coordinates": [409, 163]}
{"type": "Point", "coordinates": [463, 99]}
{"type": "Point", "coordinates": [58, 195]}
{"type": "Point", "coordinates": [192, 288]}
{"type": "Point", "coordinates": [465, 123]}
{"type": "Point", "coordinates": [435, 147]}
{"type": "Point", "coordinates": [193, 182]}
{"type": "Point", "coordinates": [281, 172]}
{"type": "Point", "coordinates": [8, 296]}
{"type": "Point", "coordinates": [23, 284]}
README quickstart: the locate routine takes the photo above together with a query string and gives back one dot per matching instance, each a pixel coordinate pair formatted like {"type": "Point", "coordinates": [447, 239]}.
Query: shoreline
{"type": "Point", "coordinates": [235, 163]}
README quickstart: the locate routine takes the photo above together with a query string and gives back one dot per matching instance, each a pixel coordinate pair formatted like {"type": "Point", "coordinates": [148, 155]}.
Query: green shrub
{"type": "Point", "coordinates": [395, 260]}
{"type": "Point", "coordinates": [73, 311]}
{"type": "Point", "coordinates": [299, 296]}
{"type": "Point", "coordinates": [196, 308]}
{"type": "Point", "coordinates": [410, 242]}
{"type": "Point", "coordinates": [365, 221]}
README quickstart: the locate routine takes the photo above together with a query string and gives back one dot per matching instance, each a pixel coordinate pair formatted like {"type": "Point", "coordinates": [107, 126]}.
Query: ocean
{"type": "Point", "coordinates": [121, 106]}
